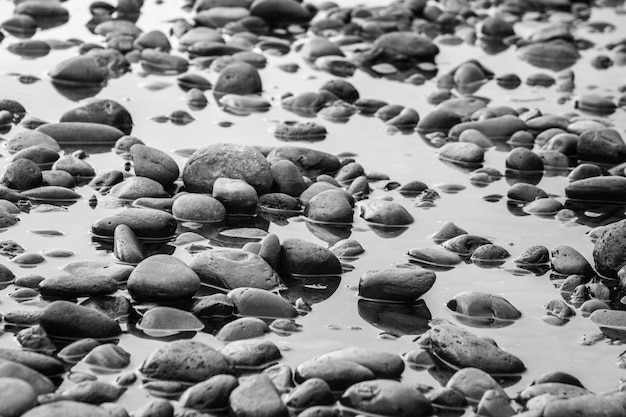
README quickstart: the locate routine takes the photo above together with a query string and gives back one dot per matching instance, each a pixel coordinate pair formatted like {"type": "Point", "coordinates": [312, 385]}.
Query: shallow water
{"type": "Point", "coordinates": [336, 322]}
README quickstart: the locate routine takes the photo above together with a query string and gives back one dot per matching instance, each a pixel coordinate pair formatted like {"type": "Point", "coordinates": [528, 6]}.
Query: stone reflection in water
{"type": "Point", "coordinates": [396, 319]}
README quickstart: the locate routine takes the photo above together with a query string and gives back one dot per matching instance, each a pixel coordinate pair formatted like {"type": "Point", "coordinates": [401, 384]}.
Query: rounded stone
{"type": "Point", "coordinates": [386, 397]}
{"type": "Point", "coordinates": [233, 268]}
{"type": "Point", "coordinates": [81, 133]}
{"type": "Point", "coordinates": [68, 320]}
{"type": "Point", "coordinates": [609, 251]}
{"type": "Point", "coordinates": [16, 397]}
{"type": "Point", "coordinates": [154, 164]}
{"type": "Point", "coordinates": [146, 223]}
{"type": "Point", "coordinates": [257, 302]}
{"type": "Point", "coordinates": [396, 284]}
{"type": "Point", "coordinates": [198, 208]}
{"type": "Point", "coordinates": [238, 78]}
{"type": "Point", "coordinates": [133, 188]}
{"type": "Point", "coordinates": [287, 178]}
{"type": "Point", "coordinates": [311, 162]}
{"type": "Point", "coordinates": [329, 206]}
{"type": "Point", "coordinates": [103, 111]}
{"type": "Point", "coordinates": [230, 161]}
{"type": "Point", "coordinates": [383, 364]}
{"type": "Point", "coordinates": [386, 213]}
{"type": "Point", "coordinates": [161, 278]}
{"type": "Point", "coordinates": [22, 174]}
{"type": "Point", "coordinates": [462, 153]}
{"type": "Point", "coordinates": [186, 361]}
{"type": "Point", "coordinates": [522, 159]}
{"type": "Point", "coordinates": [602, 145]}
{"type": "Point", "coordinates": [243, 328]}
{"type": "Point", "coordinates": [280, 13]}
{"type": "Point", "coordinates": [302, 258]}
{"type": "Point", "coordinates": [237, 196]}
{"type": "Point", "coordinates": [82, 70]}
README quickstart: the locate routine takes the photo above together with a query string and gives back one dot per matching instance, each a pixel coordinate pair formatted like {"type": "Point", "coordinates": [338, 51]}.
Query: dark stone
{"type": "Point", "coordinates": [68, 320]}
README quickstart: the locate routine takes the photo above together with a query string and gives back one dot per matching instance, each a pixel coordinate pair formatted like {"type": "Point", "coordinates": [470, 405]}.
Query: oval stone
{"type": "Point", "coordinates": [261, 303]}
{"type": "Point", "coordinates": [234, 268]}
{"type": "Point", "coordinates": [68, 320]}
{"type": "Point", "coordinates": [252, 353]}
{"type": "Point", "coordinates": [464, 349]}
{"type": "Point", "coordinates": [386, 213]}
{"type": "Point", "coordinates": [383, 364]}
{"type": "Point", "coordinates": [207, 164]}
{"type": "Point", "coordinates": [396, 284]}
{"type": "Point", "coordinates": [146, 223]}
{"type": "Point", "coordinates": [210, 394]}
{"type": "Point", "coordinates": [71, 286]}
{"type": "Point", "coordinates": [198, 208]}
{"type": "Point", "coordinates": [154, 164]}
{"type": "Point", "coordinates": [103, 111]}
{"type": "Point", "coordinates": [329, 206]}
{"type": "Point", "coordinates": [311, 162]}
{"type": "Point", "coordinates": [462, 153]}
{"type": "Point", "coordinates": [186, 361]}
{"type": "Point", "coordinates": [238, 78]}
{"type": "Point", "coordinates": [338, 374]}
{"type": "Point", "coordinates": [609, 251]}
{"type": "Point", "coordinates": [81, 133]}
{"type": "Point", "coordinates": [302, 258]}
{"type": "Point", "coordinates": [256, 395]}
{"type": "Point", "coordinates": [162, 278]}
{"type": "Point", "coordinates": [133, 188]}
{"type": "Point", "coordinates": [386, 397]}
{"type": "Point", "coordinates": [501, 127]}
{"type": "Point", "coordinates": [611, 189]}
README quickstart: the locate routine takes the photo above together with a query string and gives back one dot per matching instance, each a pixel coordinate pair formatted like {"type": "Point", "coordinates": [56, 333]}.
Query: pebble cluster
{"type": "Point", "coordinates": [245, 286]}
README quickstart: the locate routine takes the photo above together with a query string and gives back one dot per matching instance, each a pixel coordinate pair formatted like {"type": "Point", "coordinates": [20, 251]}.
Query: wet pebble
{"type": "Point", "coordinates": [260, 303]}
{"type": "Point", "coordinates": [211, 394]}
{"type": "Point", "coordinates": [408, 284]}
{"type": "Point", "coordinates": [243, 328]}
{"type": "Point", "coordinates": [302, 258]}
{"type": "Point", "coordinates": [217, 159]}
{"type": "Point", "coordinates": [233, 268]}
{"type": "Point", "coordinates": [67, 320]}
{"type": "Point", "coordinates": [185, 360]}
{"type": "Point", "coordinates": [390, 398]}
{"type": "Point", "coordinates": [162, 278]}
{"type": "Point", "coordinates": [464, 153]}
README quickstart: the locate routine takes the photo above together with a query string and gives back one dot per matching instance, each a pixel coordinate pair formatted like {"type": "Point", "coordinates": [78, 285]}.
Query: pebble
{"type": "Point", "coordinates": [67, 320]}
{"type": "Point", "coordinates": [237, 196]}
{"type": "Point", "coordinates": [464, 349]}
{"type": "Point", "coordinates": [597, 189]}
{"type": "Point", "coordinates": [330, 206]}
{"type": "Point", "coordinates": [310, 162]}
{"type": "Point", "coordinates": [463, 153]}
{"type": "Point", "coordinates": [186, 361]}
{"type": "Point", "coordinates": [233, 268]}
{"type": "Point", "coordinates": [211, 394]}
{"type": "Point", "coordinates": [408, 284]}
{"type": "Point", "coordinates": [256, 395]}
{"type": "Point", "coordinates": [217, 159]}
{"type": "Point", "coordinates": [162, 278]}
{"type": "Point", "coordinates": [338, 374]}
{"type": "Point", "coordinates": [146, 223]}
{"type": "Point", "coordinates": [392, 398]}
{"type": "Point", "coordinates": [302, 258]}
{"type": "Point", "coordinates": [257, 302]}
{"type": "Point", "coordinates": [501, 127]}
